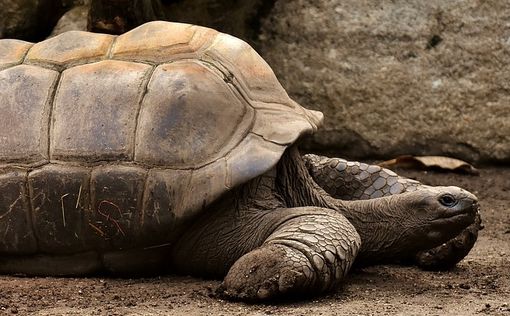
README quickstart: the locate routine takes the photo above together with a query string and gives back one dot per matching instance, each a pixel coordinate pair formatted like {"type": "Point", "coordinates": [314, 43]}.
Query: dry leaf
{"type": "Point", "coordinates": [431, 162]}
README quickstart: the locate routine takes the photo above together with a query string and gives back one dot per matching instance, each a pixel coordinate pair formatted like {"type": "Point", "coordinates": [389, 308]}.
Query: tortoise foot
{"type": "Point", "coordinates": [264, 274]}
{"type": "Point", "coordinates": [306, 255]}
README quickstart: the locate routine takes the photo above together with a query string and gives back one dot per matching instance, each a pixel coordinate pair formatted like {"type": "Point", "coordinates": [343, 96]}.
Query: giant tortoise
{"type": "Point", "coordinates": [173, 147]}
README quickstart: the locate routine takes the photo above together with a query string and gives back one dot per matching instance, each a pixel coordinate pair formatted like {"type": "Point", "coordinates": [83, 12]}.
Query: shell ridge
{"type": "Point", "coordinates": [145, 88]}
{"type": "Point", "coordinates": [170, 58]}
{"type": "Point", "coordinates": [230, 77]}
{"type": "Point", "coordinates": [55, 86]}
{"type": "Point", "coordinates": [268, 140]}
{"type": "Point", "coordinates": [238, 83]}
{"type": "Point", "coordinates": [31, 215]}
{"type": "Point", "coordinates": [25, 55]}
{"type": "Point", "coordinates": [45, 65]}
{"type": "Point", "coordinates": [158, 42]}
{"type": "Point", "coordinates": [144, 198]}
{"type": "Point", "coordinates": [102, 162]}
{"type": "Point", "coordinates": [199, 34]}
{"type": "Point", "coordinates": [255, 157]}
{"type": "Point", "coordinates": [109, 51]}
{"type": "Point", "coordinates": [91, 198]}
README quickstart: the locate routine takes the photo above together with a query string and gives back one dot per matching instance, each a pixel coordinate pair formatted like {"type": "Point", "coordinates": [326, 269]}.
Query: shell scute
{"type": "Point", "coordinates": [163, 203]}
{"type": "Point", "coordinates": [207, 184]}
{"type": "Point", "coordinates": [94, 116]}
{"type": "Point", "coordinates": [15, 223]}
{"type": "Point", "coordinates": [161, 41]}
{"type": "Point", "coordinates": [247, 65]}
{"type": "Point", "coordinates": [25, 96]}
{"type": "Point", "coordinates": [252, 157]}
{"type": "Point", "coordinates": [116, 205]}
{"type": "Point", "coordinates": [59, 196]}
{"type": "Point", "coordinates": [189, 117]}
{"type": "Point", "coordinates": [175, 196]}
{"type": "Point", "coordinates": [283, 133]}
{"type": "Point", "coordinates": [70, 48]}
{"type": "Point", "coordinates": [12, 52]}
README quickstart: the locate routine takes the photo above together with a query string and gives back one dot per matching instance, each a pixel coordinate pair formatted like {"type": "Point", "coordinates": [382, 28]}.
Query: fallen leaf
{"type": "Point", "coordinates": [431, 162]}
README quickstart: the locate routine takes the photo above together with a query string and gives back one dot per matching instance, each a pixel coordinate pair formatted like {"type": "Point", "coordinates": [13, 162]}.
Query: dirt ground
{"type": "Point", "coordinates": [479, 285]}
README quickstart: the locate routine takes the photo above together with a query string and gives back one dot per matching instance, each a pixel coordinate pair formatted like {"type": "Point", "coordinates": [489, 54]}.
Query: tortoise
{"type": "Point", "coordinates": [173, 147]}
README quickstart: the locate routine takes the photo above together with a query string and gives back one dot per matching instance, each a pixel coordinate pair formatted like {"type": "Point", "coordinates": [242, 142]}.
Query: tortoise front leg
{"type": "Point", "coordinates": [350, 180]}
{"type": "Point", "coordinates": [270, 254]}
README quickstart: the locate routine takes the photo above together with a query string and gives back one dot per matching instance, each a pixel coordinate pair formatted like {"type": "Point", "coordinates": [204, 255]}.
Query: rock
{"type": "Point", "coordinates": [120, 16]}
{"type": "Point", "coordinates": [30, 20]}
{"type": "Point", "coordinates": [397, 77]}
{"type": "Point", "coordinates": [238, 18]}
{"type": "Point", "coordinates": [73, 20]}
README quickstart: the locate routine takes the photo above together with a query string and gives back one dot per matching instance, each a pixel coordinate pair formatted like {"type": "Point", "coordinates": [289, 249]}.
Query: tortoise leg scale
{"type": "Point", "coordinates": [265, 250]}
{"type": "Point", "coordinates": [307, 254]}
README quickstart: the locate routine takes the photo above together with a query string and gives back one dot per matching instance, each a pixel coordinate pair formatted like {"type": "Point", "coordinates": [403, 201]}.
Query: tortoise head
{"type": "Point", "coordinates": [397, 227]}
{"type": "Point", "coordinates": [443, 212]}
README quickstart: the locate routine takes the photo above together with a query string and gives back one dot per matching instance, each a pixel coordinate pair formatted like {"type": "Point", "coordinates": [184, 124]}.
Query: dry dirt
{"type": "Point", "coordinates": [479, 285]}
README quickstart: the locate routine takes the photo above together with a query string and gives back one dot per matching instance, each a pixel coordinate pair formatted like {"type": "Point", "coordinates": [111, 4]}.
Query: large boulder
{"type": "Point", "coordinates": [73, 20]}
{"type": "Point", "coordinates": [31, 20]}
{"type": "Point", "coordinates": [397, 77]}
{"type": "Point", "coordinates": [238, 18]}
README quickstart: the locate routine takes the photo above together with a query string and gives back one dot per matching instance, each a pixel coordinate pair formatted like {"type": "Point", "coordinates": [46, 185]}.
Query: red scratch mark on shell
{"type": "Point", "coordinates": [108, 217]}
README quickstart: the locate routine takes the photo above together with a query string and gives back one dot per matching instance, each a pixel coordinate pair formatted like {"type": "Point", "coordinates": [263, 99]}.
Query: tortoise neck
{"type": "Point", "coordinates": [376, 221]}
{"type": "Point", "coordinates": [295, 185]}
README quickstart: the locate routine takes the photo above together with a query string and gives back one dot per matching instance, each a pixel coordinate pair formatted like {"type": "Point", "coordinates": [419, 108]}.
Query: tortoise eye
{"type": "Point", "coordinates": [448, 200]}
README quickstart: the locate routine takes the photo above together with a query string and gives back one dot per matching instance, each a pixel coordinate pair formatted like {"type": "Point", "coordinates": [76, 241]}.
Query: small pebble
{"type": "Point", "coordinates": [464, 286]}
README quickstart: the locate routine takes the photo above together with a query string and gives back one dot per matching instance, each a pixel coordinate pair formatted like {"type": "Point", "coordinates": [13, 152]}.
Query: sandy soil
{"type": "Point", "coordinates": [479, 285]}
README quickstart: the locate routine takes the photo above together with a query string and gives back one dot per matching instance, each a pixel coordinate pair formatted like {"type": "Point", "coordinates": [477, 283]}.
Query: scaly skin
{"type": "Point", "coordinates": [280, 234]}
{"type": "Point", "coordinates": [265, 248]}
{"type": "Point", "coordinates": [350, 180]}
{"type": "Point", "coordinates": [308, 254]}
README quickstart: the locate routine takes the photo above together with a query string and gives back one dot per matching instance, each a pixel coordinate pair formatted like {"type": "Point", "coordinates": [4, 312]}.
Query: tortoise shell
{"type": "Point", "coordinates": [113, 141]}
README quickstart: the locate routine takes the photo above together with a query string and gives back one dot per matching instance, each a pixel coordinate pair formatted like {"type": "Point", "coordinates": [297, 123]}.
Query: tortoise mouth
{"type": "Point", "coordinates": [455, 219]}
{"type": "Point", "coordinates": [470, 209]}
{"type": "Point", "coordinates": [451, 224]}
{"type": "Point", "coordinates": [464, 217]}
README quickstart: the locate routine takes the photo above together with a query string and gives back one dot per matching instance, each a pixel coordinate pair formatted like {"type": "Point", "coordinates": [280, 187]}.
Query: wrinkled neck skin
{"type": "Point", "coordinates": [389, 231]}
